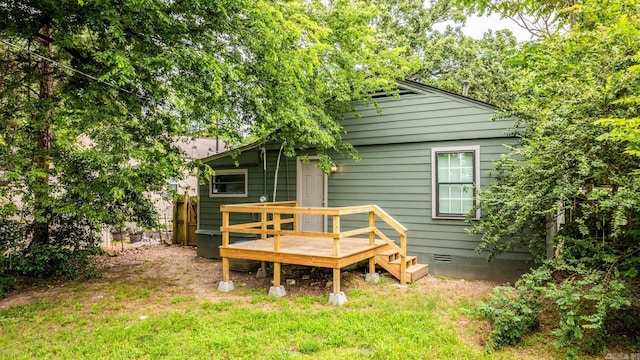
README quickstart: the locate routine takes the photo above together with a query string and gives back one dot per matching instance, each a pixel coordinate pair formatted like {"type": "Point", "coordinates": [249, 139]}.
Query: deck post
{"type": "Point", "coordinates": [277, 290]}
{"type": "Point", "coordinates": [403, 259]}
{"type": "Point", "coordinates": [225, 285]}
{"type": "Point", "coordinates": [337, 297]}
{"type": "Point", "coordinates": [336, 233]}
{"type": "Point", "coordinates": [225, 269]}
{"type": "Point", "coordinates": [225, 224]}
{"type": "Point", "coordinates": [276, 274]}
{"type": "Point", "coordinates": [262, 272]}
{"type": "Point", "coordinates": [263, 224]}
{"type": "Point", "coordinates": [276, 227]}
{"type": "Point", "coordinates": [372, 224]}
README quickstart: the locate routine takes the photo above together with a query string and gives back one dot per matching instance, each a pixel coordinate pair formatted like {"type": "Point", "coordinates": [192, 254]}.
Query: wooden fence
{"type": "Point", "coordinates": [185, 220]}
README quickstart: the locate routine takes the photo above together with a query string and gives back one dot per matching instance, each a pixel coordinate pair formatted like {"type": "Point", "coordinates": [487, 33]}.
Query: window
{"type": "Point", "coordinates": [172, 185]}
{"type": "Point", "coordinates": [229, 183]}
{"type": "Point", "coordinates": [455, 176]}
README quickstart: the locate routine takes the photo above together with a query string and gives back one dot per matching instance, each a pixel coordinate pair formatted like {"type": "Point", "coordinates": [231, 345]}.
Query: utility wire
{"type": "Point", "coordinates": [55, 63]}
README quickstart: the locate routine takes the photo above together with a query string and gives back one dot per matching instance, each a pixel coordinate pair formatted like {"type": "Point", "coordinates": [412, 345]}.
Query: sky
{"type": "Point", "coordinates": [477, 26]}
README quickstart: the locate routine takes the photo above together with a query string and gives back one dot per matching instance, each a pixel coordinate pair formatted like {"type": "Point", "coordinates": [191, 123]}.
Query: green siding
{"type": "Point", "coordinates": [210, 217]}
{"type": "Point", "coordinates": [395, 174]}
{"type": "Point", "coordinates": [423, 117]}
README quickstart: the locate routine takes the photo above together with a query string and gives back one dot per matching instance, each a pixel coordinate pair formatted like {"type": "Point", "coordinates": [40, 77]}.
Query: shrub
{"type": "Point", "coordinates": [588, 289]}
{"type": "Point", "coordinates": [72, 241]}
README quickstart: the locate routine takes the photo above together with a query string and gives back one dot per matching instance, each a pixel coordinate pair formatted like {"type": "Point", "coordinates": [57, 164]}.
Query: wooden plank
{"type": "Point", "coordinates": [276, 274]}
{"type": "Point", "coordinates": [372, 226]}
{"type": "Point", "coordinates": [389, 220]}
{"type": "Point", "coordinates": [225, 269]}
{"type": "Point", "coordinates": [281, 231]}
{"type": "Point", "coordinates": [284, 258]}
{"type": "Point", "coordinates": [231, 207]}
{"type": "Point", "coordinates": [242, 208]}
{"type": "Point", "coordinates": [225, 224]}
{"type": "Point", "coordinates": [249, 208]}
{"type": "Point", "coordinates": [355, 258]}
{"type": "Point", "coordinates": [258, 224]}
{"type": "Point", "coordinates": [276, 239]}
{"type": "Point", "coordinates": [336, 280]}
{"type": "Point", "coordinates": [185, 216]}
{"type": "Point", "coordinates": [361, 231]}
{"type": "Point", "coordinates": [336, 240]}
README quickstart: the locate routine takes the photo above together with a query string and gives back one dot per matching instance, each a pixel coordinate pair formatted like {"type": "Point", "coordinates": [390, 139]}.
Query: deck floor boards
{"type": "Point", "coordinates": [310, 246]}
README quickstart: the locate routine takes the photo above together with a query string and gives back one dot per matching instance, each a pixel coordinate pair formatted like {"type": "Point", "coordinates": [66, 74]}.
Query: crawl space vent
{"type": "Point", "coordinates": [442, 258]}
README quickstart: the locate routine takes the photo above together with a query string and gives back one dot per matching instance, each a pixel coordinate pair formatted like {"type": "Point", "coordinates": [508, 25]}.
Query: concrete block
{"type": "Point", "coordinates": [261, 273]}
{"type": "Point", "coordinates": [372, 278]}
{"type": "Point", "coordinates": [337, 299]}
{"type": "Point", "coordinates": [226, 286]}
{"type": "Point", "coordinates": [278, 291]}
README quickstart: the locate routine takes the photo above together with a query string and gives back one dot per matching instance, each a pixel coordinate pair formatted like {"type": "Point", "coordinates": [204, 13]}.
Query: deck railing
{"type": "Point", "coordinates": [274, 214]}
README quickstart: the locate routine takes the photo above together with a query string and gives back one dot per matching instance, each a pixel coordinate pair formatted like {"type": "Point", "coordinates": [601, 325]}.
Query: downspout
{"type": "Point", "coordinates": [263, 153]}
{"type": "Point", "coordinates": [275, 179]}
{"type": "Point", "coordinates": [286, 163]}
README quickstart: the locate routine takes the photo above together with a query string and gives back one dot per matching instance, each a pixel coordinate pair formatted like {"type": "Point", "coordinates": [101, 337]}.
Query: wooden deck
{"type": "Point", "coordinates": [335, 249]}
{"type": "Point", "coordinates": [306, 250]}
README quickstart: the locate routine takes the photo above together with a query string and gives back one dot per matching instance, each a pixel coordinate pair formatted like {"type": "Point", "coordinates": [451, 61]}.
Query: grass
{"type": "Point", "coordinates": [141, 320]}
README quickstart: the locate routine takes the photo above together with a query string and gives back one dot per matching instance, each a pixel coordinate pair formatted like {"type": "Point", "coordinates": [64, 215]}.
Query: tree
{"type": "Point", "coordinates": [93, 92]}
{"type": "Point", "coordinates": [451, 58]}
{"type": "Point", "coordinates": [542, 19]}
{"type": "Point", "coordinates": [566, 167]}
{"type": "Point", "coordinates": [447, 58]}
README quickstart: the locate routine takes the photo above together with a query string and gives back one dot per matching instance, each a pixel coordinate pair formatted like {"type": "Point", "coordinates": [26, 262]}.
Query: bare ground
{"type": "Point", "coordinates": [176, 271]}
{"type": "Point", "coordinates": [190, 275]}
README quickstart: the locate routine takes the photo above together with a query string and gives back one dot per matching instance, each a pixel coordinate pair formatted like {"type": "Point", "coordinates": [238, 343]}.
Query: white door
{"type": "Point", "coordinates": [311, 193]}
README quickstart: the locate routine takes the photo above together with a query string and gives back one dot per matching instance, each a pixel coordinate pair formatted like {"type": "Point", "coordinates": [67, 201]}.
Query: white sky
{"type": "Point", "coordinates": [476, 27]}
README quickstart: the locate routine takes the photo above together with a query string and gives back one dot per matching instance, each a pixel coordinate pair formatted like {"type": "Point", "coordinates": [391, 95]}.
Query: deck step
{"type": "Point", "coordinates": [408, 260]}
{"type": "Point", "coordinates": [389, 252]}
{"type": "Point", "coordinates": [390, 260]}
{"type": "Point", "coordinates": [417, 271]}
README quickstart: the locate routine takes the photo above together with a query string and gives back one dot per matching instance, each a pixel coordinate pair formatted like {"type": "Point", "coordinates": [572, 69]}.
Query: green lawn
{"type": "Point", "coordinates": [148, 319]}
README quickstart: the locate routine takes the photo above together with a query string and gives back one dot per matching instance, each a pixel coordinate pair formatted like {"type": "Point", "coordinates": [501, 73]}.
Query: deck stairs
{"type": "Point", "coordinates": [390, 260]}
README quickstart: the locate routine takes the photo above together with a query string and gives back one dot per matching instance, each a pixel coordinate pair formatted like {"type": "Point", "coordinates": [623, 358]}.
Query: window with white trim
{"type": "Point", "coordinates": [455, 177]}
{"type": "Point", "coordinates": [229, 183]}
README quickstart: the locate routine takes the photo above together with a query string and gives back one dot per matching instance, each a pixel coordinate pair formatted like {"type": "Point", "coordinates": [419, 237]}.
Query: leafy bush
{"type": "Point", "coordinates": [514, 311]}
{"type": "Point", "coordinates": [72, 241]}
{"type": "Point", "coordinates": [585, 299]}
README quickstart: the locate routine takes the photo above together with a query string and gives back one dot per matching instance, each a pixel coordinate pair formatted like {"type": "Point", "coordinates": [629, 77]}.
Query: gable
{"type": "Point", "coordinates": [422, 113]}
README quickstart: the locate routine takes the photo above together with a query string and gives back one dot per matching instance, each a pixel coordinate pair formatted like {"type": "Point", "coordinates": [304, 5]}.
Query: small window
{"type": "Point", "coordinates": [229, 183]}
{"type": "Point", "coordinates": [172, 185]}
{"type": "Point", "coordinates": [456, 176]}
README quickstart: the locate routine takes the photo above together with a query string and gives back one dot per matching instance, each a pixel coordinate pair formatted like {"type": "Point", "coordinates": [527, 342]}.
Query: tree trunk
{"type": "Point", "coordinates": [42, 193]}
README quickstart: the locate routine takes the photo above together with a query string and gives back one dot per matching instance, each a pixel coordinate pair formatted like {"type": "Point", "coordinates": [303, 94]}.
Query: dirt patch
{"type": "Point", "coordinates": [177, 272]}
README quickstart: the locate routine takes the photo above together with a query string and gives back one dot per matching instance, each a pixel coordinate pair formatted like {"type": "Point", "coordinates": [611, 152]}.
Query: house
{"type": "Point", "coordinates": [421, 157]}
{"type": "Point", "coordinates": [193, 149]}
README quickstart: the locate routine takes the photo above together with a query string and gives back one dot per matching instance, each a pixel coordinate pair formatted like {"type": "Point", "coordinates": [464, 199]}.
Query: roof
{"type": "Point", "coordinates": [199, 148]}
{"type": "Point", "coordinates": [407, 85]}
{"type": "Point", "coordinates": [424, 88]}
{"type": "Point", "coordinates": [226, 152]}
